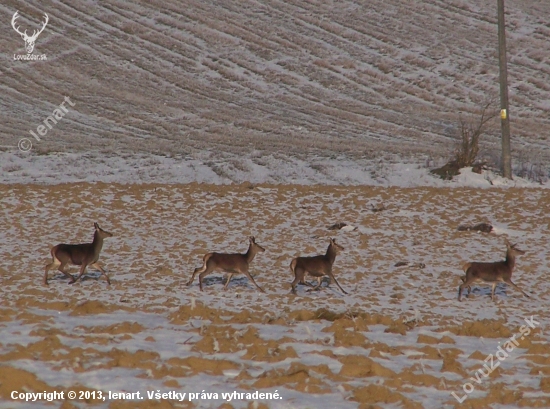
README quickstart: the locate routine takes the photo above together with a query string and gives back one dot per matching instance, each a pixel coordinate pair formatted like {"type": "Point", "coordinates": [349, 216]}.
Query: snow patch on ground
{"type": "Point", "coordinates": [206, 167]}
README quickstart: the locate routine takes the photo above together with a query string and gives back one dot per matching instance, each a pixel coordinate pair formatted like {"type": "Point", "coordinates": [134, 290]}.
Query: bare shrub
{"type": "Point", "coordinates": [347, 63]}
{"type": "Point", "coordinates": [132, 28]}
{"type": "Point", "coordinates": [467, 146]}
{"type": "Point", "coordinates": [323, 63]}
{"type": "Point", "coordinates": [384, 66]}
{"type": "Point", "coordinates": [13, 167]}
{"type": "Point", "coordinates": [531, 169]}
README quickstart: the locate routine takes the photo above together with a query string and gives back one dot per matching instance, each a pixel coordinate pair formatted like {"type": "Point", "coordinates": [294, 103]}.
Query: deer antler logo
{"type": "Point", "coordinates": [29, 40]}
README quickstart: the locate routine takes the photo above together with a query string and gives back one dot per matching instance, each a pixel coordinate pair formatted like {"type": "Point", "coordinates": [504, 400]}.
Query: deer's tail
{"type": "Point", "coordinates": [293, 265]}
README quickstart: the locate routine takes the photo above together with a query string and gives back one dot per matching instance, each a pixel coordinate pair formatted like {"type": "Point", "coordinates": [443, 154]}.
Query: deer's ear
{"type": "Point", "coordinates": [96, 226]}
{"type": "Point", "coordinates": [252, 239]}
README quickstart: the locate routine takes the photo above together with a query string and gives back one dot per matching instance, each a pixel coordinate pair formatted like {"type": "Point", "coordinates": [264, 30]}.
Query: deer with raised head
{"type": "Point", "coordinates": [83, 255]}
{"type": "Point", "coordinates": [235, 263]}
{"type": "Point", "coordinates": [29, 40]}
{"type": "Point", "coordinates": [316, 266]}
{"type": "Point", "coordinates": [492, 273]}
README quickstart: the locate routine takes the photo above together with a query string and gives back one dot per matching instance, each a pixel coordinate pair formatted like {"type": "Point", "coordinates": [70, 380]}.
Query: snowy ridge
{"type": "Point", "coordinates": [226, 168]}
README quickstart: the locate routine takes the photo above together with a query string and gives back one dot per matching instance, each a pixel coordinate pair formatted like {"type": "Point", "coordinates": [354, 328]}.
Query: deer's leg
{"type": "Point", "coordinates": [193, 276]}
{"type": "Point", "coordinates": [509, 281]}
{"type": "Point", "coordinates": [315, 288]}
{"type": "Point", "coordinates": [468, 287]}
{"type": "Point", "coordinates": [299, 274]}
{"type": "Point", "coordinates": [246, 273]}
{"type": "Point", "coordinates": [204, 274]}
{"type": "Point", "coordinates": [466, 284]}
{"type": "Point", "coordinates": [63, 268]}
{"type": "Point", "coordinates": [462, 287]}
{"type": "Point", "coordinates": [55, 263]}
{"type": "Point", "coordinates": [98, 267]}
{"type": "Point", "coordinates": [334, 279]}
{"type": "Point", "coordinates": [493, 291]}
{"type": "Point", "coordinates": [304, 282]}
{"type": "Point", "coordinates": [82, 271]}
{"type": "Point", "coordinates": [199, 269]}
{"type": "Point", "coordinates": [46, 275]}
{"type": "Point", "coordinates": [228, 280]}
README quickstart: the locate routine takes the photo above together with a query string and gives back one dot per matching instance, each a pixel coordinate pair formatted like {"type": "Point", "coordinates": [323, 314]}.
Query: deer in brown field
{"type": "Point", "coordinates": [491, 273]}
{"type": "Point", "coordinates": [83, 255]}
{"type": "Point", "coordinates": [235, 263]}
{"type": "Point", "coordinates": [315, 266]}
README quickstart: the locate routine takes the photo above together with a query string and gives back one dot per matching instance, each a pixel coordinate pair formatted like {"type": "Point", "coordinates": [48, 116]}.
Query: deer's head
{"type": "Point", "coordinates": [512, 249]}
{"type": "Point", "coordinates": [335, 245]}
{"type": "Point", "coordinates": [256, 246]}
{"type": "Point", "coordinates": [101, 233]}
{"type": "Point", "coordinates": [29, 40]}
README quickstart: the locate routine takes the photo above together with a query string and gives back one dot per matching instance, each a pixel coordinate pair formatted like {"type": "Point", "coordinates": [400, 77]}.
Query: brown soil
{"type": "Point", "coordinates": [400, 337]}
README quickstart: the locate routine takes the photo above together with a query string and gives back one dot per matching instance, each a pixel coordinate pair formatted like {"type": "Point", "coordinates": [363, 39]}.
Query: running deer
{"type": "Point", "coordinates": [83, 255]}
{"type": "Point", "coordinates": [491, 273]}
{"type": "Point", "coordinates": [230, 263]}
{"type": "Point", "coordinates": [316, 266]}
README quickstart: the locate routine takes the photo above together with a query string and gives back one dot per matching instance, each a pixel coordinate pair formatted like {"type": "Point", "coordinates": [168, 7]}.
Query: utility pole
{"type": "Point", "coordinates": [504, 112]}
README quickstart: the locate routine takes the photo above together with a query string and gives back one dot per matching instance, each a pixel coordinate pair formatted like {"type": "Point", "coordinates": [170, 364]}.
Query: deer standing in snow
{"type": "Point", "coordinates": [231, 263]}
{"type": "Point", "coordinates": [316, 266]}
{"type": "Point", "coordinates": [82, 255]}
{"type": "Point", "coordinates": [491, 273]}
